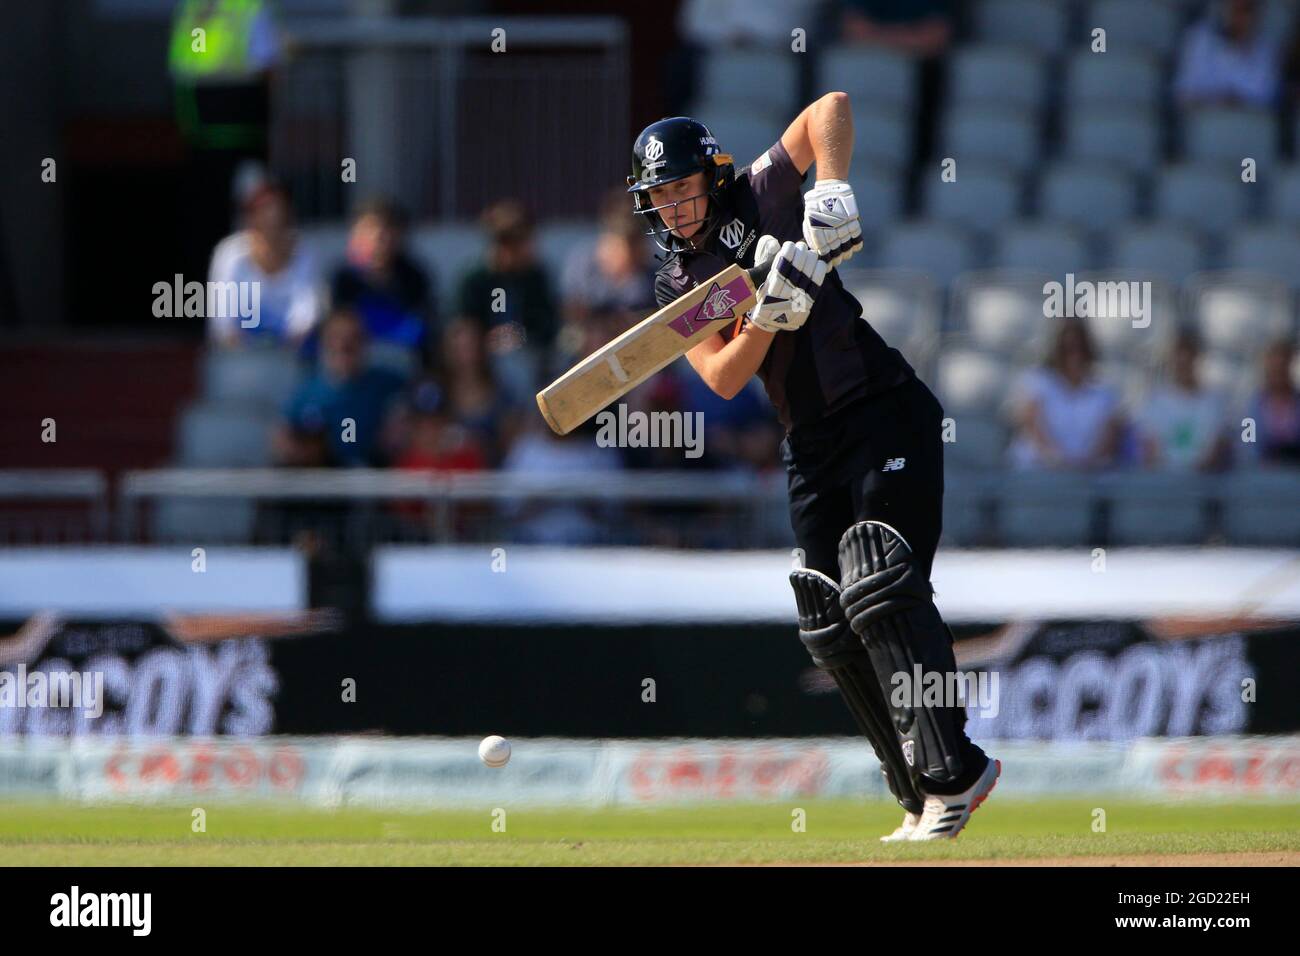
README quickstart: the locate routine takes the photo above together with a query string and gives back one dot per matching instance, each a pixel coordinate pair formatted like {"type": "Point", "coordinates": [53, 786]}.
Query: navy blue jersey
{"type": "Point", "coordinates": [835, 358]}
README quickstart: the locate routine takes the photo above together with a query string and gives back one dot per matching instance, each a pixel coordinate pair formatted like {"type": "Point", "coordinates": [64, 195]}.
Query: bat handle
{"type": "Point", "coordinates": [758, 274]}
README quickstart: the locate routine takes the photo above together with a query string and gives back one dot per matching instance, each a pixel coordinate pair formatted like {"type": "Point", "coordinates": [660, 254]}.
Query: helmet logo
{"type": "Point", "coordinates": [653, 149]}
{"type": "Point", "coordinates": [732, 233]}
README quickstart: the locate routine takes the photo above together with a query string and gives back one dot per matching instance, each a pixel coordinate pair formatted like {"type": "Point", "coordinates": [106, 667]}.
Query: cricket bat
{"type": "Point", "coordinates": [616, 368]}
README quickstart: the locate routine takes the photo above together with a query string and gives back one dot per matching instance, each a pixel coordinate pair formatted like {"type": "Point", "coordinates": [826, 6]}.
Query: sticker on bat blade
{"type": "Point", "coordinates": [719, 303]}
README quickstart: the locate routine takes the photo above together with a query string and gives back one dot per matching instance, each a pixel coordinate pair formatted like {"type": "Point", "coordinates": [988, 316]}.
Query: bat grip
{"type": "Point", "coordinates": [758, 274]}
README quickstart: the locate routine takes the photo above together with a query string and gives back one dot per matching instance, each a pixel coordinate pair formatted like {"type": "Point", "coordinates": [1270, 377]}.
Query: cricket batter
{"type": "Point", "coordinates": [863, 449]}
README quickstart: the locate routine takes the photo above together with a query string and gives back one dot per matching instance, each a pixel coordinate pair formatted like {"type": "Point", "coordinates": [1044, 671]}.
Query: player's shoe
{"type": "Point", "coordinates": [945, 814]}
{"type": "Point", "coordinates": [904, 831]}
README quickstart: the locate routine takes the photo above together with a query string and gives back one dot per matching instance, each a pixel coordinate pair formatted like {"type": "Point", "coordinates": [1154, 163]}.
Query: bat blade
{"type": "Point", "coordinates": [621, 365]}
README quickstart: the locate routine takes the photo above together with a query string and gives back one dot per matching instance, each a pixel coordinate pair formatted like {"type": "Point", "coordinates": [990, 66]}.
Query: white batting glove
{"type": "Point", "coordinates": [787, 296]}
{"type": "Point", "coordinates": [830, 221]}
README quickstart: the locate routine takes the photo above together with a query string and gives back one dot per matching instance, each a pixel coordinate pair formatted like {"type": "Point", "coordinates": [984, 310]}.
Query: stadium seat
{"type": "Point", "coordinates": [882, 136]}
{"type": "Point", "coordinates": [970, 382]}
{"type": "Point", "coordinates": [1090, 196]}
{"type": "Point", "coordinates": [979, 443]}
{"type": "Point", "coordinates": [1111, 318]}
{"type": "Point", "coordinates": [1044, 509]}
{"type": "Point", "coordinates": [903, 307]}
{"type": "Point", "coordinates": [1154, 508]}
{"type": "Point", "coordinates": [1041, 25]}
{"type": "Point", "coordinates": [879, 191]}
{"type": "Point", "coordinates": [1127, 80]}
{"type": "Point", "coordinates": [758, 79]}
{"type": "Point", "coordinates": [1262, 507]}
{"type": "Point", "coordinates": [1158, 248]}
{"type": "Point", "coordinates": [223, 436]}
{"type": "Point", "coordinates": [744, 132]}
{"type": "Point", "coordinates": [1284, 194]}
{"type": "Point", "coordinates": [980, 198]}
{"type": "Point", "coordinates": [1151, 26]}
{"type": "Point", "coordinates": [1238, 312]}
{"type": "Point", "coordinates": [998, 76]}
{"type": "Point", "coordinates": [871, 76]}
{"type": "Point", "coordinates": [1130, 139]}
{"type": "Point", "coordinates": [447, 250]}
{"type": "Point", "coordinates": [939, 250]}
{"type": "Point", "coordinates": [1002, 313]}
{"type": "Point", "coordinates": [1049, 247]}
{"type": "Point", "coordinates": [1207, 198]}
{"type": "Point", "coordinates": [1272, 249]}
{"type": "Point", "coordinates": [1232, 134]}
{"type": "Point", "coordinates": [263, 378]}
{"type": "Point", "coordinates": [985, 135]}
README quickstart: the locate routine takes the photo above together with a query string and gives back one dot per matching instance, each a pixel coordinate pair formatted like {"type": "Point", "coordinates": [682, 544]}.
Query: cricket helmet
{"type": "Point", "coordinates": [667, 151]}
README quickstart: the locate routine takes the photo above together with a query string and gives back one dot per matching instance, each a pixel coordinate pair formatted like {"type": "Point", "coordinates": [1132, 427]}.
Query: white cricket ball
{"type": "Point", "coordinates": [494, 751]}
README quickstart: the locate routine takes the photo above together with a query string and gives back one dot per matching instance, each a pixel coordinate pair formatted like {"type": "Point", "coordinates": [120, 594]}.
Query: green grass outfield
{"type": "Point", "coordinates": [837, 832]}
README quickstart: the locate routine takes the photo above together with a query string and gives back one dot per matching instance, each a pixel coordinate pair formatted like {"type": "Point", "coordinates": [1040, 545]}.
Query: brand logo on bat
{"type": "Point", "coordinates": [653, 149]}
{"type": "Point", "coordinates": [718, 304]}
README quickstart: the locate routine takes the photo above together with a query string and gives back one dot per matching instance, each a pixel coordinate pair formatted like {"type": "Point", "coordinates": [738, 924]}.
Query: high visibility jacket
{"type": "Point", "coordinates": [222, 50]}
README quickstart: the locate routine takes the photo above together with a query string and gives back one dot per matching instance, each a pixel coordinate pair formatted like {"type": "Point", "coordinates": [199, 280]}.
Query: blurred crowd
{"type": "Point", "coordinates": [1067, 416]}
{"type": "Point", "coordinates": [454, 392]}
{"type": "Point", "coordinates": [442, 379]}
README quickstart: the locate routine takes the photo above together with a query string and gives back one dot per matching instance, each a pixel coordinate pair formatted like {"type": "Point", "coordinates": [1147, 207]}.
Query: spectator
{"type": "Point", "coordinates": [267, 252]}
{"type": "Point", "coordinates": [921, 28]}
{"type": "Point", "coordinates": [385, 286]}
{"type": "Point", "coordinates": [1065, 417]}
{"type": "Point", "coordinates": [509, 295]}
{"type": "Point", "coordinates": [222, 102]}
{"type": "Point", "coordinates": [1275, 409]}
{"type": "Point", "coordinates": [475, 398]}
{"type": "Point", "coordinates": [1227, 59]}
{"type": "Point", "coordinates": [539, 451]}
{"type": "Point", "coordinates": [338, 417]}
{"type": "Point", "coordinates": [611, 275]}
{"type": "Point", "coordinates": [1182, 426]}
{"type": "Point", "coordinates": [434, 440]}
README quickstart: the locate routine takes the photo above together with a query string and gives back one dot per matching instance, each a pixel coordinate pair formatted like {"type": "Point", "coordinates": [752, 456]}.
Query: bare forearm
{"type": "Point", "coordinates": [822, 133]}
{"type": "Point", "coordinates": [830, 133]}
{"type": "Point", "coordinates": [727, 370]}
